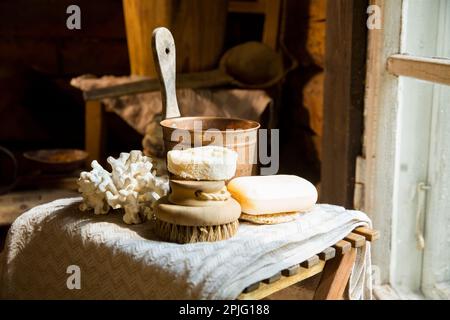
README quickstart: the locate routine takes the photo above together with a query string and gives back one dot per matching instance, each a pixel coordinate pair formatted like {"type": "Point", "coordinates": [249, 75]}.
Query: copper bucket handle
{"type": "Point", "coordinates": [164, 54]}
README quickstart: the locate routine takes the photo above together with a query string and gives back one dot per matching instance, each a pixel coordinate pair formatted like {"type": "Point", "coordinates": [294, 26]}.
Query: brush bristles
{"type": "Point", "coordinates": [185, 234]}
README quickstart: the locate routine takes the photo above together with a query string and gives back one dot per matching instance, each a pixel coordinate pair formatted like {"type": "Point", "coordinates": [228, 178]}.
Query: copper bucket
{"type": "Point", "coordinates": [187, 132]}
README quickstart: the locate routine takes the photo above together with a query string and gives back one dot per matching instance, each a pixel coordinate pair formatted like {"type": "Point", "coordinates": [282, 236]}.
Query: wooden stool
{"type": "Point", "coordinates": [335, 263]}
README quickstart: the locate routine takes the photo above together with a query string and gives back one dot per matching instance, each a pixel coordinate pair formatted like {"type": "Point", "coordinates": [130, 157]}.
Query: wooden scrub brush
{"type": "Point", "coordinates": [196, 211]}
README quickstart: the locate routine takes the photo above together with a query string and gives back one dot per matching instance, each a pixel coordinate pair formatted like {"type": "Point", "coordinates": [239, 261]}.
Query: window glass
{"type": "Point", "coordinates": [421, 227]}
{"type": "Point", "coordinates": [426, 28]}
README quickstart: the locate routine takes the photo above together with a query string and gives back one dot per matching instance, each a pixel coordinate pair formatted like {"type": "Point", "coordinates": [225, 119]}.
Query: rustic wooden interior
{"type": "Point", "coordinates": [39, 108]}
{"type": "Point", "coordinates": [39, 62]}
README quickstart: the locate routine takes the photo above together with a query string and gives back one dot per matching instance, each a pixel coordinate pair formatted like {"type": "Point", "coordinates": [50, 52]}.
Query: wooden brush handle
{"type": "Point", "coordinates": [228, 212]}
{"type": "Point", "coordinates": [198, 193]}
{"type": "Point", "coordinates": [222, 195]}
{"type": "Point", "coordinates": [164, 54]}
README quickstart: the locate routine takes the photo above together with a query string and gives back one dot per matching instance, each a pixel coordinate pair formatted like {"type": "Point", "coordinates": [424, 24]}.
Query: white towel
{"type": "Point", "coordinates": [119, 261]}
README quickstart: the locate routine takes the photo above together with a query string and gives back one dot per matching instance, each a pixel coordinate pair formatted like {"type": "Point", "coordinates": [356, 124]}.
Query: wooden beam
{"type": "Point", "coordinates": [273, 278]}
{"type": "Point", "coordinates": [356, 240]}
{"type": "Point", "coordinates": [192, 80]}
{"type": "Point", "coordinates": [94, 130]}
{"type": "Point", "coordinates": [272, 23]}
{"type": "Point", "coordinates": [327, 254]}
{"type": "Point", "coordinates": [310, 262]}
{"type": "Point", "coordinates": [380, 152]}
{"type": "Point", "coordinates": [342, 247]}
{"type": "Point", "coordinates": [289, 272]}
{"type": "Point", "coordinates": [345, 61]}
{"type": "Point", "coordinates": [428, 69]}
{"type": "Point", "coordinates": [252, 287]}
{"type": "Point", "coordinates": [369, 234]}
{"type": "Point", "coordinates": [141, 17]}
{"type": "Point", "coordinates": [186, 19]}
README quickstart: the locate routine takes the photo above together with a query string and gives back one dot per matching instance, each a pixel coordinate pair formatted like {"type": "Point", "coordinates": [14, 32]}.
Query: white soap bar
{"type": "Point", "coordinates": [273, 194]}
{"type": "Point", "coordinates": [203, 163]}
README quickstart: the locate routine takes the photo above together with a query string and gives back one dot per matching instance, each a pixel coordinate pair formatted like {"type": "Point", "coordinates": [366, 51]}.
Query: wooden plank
{"type": "Point", "coordinates": [187, 20]}
{"type": "Point", "coordinates": [345, 61]}
{"type": "Point", "coordinates": [380, 136]}
{"type": "Point", "coordinates": [94, 130]}
{"type": "Point", "coordinates": [327, 254]}
{"type": "Point", "coordinates": [193, 80]}
{"type": "Point", "coordinates": [273, 278]}
{"type": "Point", "coordinates": [335, 277]}
{"type": "Point", "coordinates": [135, 87]}
{"type": "Point", "coordinates": [429, 69]}
{"type": "Point", "coordinates": [289, 272]}
{"type": "Point", "coordinates": [268, 289]}
{"type": "Point", "coordinates": [369, 234]}
{"type": "Point", "coordinates": [141, 17]}
{"type": "Point", "coordinates": [252, 287]}
{"type": "Point", "coordinates": [310, 262]}
{"type": "Point", "coordinates": [342, 247]}
{"type": "Point", "coordinates": [356, 240]}
{"type": "Point", "coordinates": [272, 23]}
{"type": "Point", "coordinates": [257, 6]}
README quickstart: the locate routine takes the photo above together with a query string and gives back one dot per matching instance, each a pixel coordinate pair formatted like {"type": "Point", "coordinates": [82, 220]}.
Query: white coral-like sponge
{"type": "Point", "coordinates": [132, 185]}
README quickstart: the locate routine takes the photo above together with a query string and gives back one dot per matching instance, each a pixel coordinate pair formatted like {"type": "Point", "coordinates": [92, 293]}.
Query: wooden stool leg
{"type": "Point", "coordinates": [335, 277]}
{"type": "Point", "coordinates": [94, 129]}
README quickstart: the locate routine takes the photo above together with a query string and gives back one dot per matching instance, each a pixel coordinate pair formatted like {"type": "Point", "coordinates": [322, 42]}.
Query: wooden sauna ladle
{"type": "Point", "coordinates": [252, 65]}
{"type": "Point", "coordinates": [237, 134]}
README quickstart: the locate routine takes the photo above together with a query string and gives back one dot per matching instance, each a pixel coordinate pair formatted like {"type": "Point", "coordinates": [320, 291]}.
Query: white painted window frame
{"type": "Point", "coordinates": [377, 169]}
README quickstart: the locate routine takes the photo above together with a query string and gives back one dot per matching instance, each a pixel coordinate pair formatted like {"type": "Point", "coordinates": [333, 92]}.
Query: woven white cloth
{"type": "Point", "coordinates": [119, 261]}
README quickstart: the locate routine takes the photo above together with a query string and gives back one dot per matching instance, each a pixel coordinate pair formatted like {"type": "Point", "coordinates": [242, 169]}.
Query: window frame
{"type": "Point", "coordinates": [379, 141]}
{"type": "Point", "coordinates": [376, 169]}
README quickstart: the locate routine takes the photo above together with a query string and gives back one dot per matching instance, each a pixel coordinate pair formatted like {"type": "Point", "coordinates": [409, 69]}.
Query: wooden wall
{"type": "Point", "coordinates": [343, 99]}
{"type": "Point", "coordinates": [302, 105]}
{"type": "Point", "coordinates": [39, 55]}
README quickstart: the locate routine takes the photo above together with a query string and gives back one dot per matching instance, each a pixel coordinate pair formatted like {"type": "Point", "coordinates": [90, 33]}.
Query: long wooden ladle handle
{"type": "Point", "coordinates": [164, 55]}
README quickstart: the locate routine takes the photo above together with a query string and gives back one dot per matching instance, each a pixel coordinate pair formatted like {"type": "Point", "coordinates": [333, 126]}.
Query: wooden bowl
{"type": "Point", "coordinates": [57, 160]}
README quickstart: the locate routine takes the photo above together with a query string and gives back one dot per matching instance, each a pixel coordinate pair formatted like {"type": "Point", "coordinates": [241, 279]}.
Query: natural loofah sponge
{"type": "Point", "coordinates": [132, 185]}
{"type": "Point", "coordinates": [210, 163]}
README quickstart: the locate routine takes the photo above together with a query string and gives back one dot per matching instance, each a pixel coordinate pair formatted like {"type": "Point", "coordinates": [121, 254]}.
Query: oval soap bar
{"type": "Point", "coordinates": [273, 194]}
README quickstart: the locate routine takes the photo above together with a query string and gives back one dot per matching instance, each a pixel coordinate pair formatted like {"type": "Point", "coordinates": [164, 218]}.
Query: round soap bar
{"type": "Point", "coordinates": [273, 194]}
{"type": "Point", "coordinates": [203, 163]}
